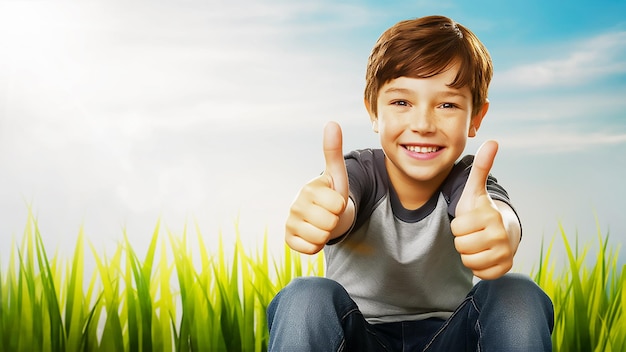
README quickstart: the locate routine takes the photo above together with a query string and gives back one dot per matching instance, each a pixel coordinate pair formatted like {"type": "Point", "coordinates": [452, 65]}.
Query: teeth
{"type": "Point", "coordinates": [417, 149]}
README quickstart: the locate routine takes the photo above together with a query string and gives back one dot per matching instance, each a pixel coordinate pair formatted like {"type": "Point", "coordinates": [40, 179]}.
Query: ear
{"type": "Point", "coordinates": [373, 116]}
{"type": "Point", "coordinates": [478, 119]}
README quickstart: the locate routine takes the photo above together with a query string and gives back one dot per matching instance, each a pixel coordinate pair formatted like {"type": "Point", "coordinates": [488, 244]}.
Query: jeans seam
{"type": "Point", "coordinates": [402, 335]}
{"type": "Point", "coordinates": [477, 326]}
{"type": "Point", "coordinates": [342, 346]}
{"type": "Point", "coordinates": [446, 323]}
{"type": "Point", "coordinates": [343, 317]}
{"type": "Point", "coordinates": [480, 335]}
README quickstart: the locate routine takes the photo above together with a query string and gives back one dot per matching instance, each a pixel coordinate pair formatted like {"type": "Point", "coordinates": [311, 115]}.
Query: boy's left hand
{"type": "Point", "coordinates": [480, 233]}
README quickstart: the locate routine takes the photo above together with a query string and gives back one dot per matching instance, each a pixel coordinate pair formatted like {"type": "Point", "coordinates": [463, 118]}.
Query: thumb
{"type": "Point", "coordinates": [335, 163]}
{"type": "Point", "coordinates": [476, 185]}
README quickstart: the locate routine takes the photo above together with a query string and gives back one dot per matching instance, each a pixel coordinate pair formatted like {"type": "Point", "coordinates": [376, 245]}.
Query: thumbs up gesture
{"type": "Point", "coordinates": [316, 215]}
{"type": "Point", "coordinates": [486, 232]}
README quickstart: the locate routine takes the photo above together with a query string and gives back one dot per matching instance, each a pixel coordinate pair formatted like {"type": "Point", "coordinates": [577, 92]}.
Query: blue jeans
{"type": "Point", "coordinates": [508, 314]}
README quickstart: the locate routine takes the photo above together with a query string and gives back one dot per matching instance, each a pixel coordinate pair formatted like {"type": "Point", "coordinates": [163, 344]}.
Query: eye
{"type": "Point", "coordinates": [400, 103]}
{"type": "Point", "coordinates": [448, 106]}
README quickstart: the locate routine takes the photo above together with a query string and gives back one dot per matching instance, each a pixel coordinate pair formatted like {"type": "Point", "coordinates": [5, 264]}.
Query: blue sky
{"type": "Point", "coordinates": [115, 114]}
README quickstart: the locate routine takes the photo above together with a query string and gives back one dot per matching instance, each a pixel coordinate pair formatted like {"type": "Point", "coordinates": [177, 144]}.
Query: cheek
{"type": "Point", "coordinates": [388, 125]}
{"type": "Point", "coordinates": [459, 126]}
{"type": "Point", "coordinates": [461, 136]}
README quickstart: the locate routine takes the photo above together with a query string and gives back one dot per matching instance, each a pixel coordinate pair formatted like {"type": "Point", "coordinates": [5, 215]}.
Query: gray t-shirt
{"type": "Point", "coordinates": [400, 264]}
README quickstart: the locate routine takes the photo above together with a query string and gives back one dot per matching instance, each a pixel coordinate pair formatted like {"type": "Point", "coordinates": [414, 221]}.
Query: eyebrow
{"type": "Point", "coordinates": [397, 90]}
{"type": "Point", "coordinates": [451, 93]}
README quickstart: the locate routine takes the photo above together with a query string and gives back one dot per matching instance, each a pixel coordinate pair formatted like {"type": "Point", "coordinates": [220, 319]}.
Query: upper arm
{"type": "Point", "coordinates": [366, 178]}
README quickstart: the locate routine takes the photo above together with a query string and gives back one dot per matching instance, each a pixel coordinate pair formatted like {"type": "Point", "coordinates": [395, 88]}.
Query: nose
{"type": "Point", "coordinates": [422, 122]}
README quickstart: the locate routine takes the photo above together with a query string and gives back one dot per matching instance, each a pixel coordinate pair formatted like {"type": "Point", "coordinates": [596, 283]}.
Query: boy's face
{"type": "Point", "coordinates": [423, 125]}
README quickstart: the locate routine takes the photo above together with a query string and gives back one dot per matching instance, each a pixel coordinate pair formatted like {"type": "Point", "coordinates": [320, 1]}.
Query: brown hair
{"type": "Point", "coordinates": [425, 47]}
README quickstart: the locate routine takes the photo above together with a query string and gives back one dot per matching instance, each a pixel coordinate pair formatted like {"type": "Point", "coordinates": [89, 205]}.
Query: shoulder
{"type": "Point", "coordinates": [368, 180]}
{"type": "Point", "coordinates": [365, 162]}
{"type": "Point", "coordinates": [365, 155]}
{"type": "Point", "coordinates": [455, 183]}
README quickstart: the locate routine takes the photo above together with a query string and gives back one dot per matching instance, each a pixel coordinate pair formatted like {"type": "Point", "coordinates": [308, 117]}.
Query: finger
{"type": "Point", "coordinates": [488, 258]}
{"type": "Point", "coordinates": [333, 155]}
{"type": "Point", "coordinates": [318, 192]}
{"type": "Point", "coordinates": [305, 231]}
{"type": "Point", "coordinates": [299, 244]}
{"type": "Point", "coordinates": [474, 220]}
{"type": "Point", "coordinates": [466, 224]}
{"type": "Point", "coordinates": [321, 218]}
{"type": "Point", "coordinates": [477, 261]}
{"type": "Point", "coordinates": [471, 244]}
{"type": "Point", "coordinates": [493, 272]}
{"type": "Point", "coordinates": [483, 161]}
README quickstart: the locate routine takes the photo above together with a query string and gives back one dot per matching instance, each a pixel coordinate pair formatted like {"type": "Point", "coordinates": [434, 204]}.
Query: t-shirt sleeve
{"type": "Point", "coordinates": [364, 184]}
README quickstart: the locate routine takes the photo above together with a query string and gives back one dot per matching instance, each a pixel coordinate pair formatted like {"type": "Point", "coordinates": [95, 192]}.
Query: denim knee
{"type": "Point", "coordinates": [515, 289]}
{"type": "Point", "coordinates": [308, 296]}
{"type": "Point", "coordinates": [516, 309]}
{"type": "Point", "coordinates": [312, 287]}
{"type": "Point", "coordinates": [309, 311]}
{"type": "Point", "coordinates": [310, 290]}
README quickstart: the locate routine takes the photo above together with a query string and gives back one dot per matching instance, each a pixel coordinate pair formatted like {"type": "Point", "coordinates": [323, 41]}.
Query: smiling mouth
{"type": "Point", "coordinates": [422, 150]}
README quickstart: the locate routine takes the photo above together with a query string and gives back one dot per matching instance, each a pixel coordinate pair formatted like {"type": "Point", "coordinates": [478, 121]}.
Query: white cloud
{"type": "Point", "coordinates": [553, 140]}
{"type": "Point", "coordinates": [558, 123]}
{"type": "Point", "coordinates": [591, 105]}
{"type": "Point", "coordinates": [116, 113]}
{"type": "Point", "coordinates": [593, 59]}
{"type": "Point", "coordinates": [164, 59]}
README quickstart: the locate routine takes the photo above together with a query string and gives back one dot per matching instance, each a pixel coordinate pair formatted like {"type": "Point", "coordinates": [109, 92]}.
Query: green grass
{"type": "Point", "coordinates": [589, 315]}
{"type": "Point", "coordinates": [183, 295]}
{"type": "Point", "coordinates": [167, 301]}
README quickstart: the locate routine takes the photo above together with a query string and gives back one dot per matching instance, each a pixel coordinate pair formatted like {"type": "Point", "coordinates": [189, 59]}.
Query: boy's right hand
{"type": "Point", "coordinates": [320, 203]}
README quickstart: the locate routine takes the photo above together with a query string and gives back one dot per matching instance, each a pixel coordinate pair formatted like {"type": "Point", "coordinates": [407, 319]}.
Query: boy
{"type": "Point", "coordinates": [405, 228]}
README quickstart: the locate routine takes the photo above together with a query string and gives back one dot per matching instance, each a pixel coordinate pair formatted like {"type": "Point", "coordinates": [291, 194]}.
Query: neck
{"type": "Point", "coordinates": [412, 193]}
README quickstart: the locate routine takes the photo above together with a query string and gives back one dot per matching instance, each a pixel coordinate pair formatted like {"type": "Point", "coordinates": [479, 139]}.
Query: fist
{"type": "Point", "coordinates": [318, 206]}
{"type": "Point", "coordinates": [481, 236]}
